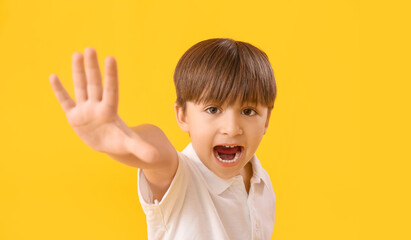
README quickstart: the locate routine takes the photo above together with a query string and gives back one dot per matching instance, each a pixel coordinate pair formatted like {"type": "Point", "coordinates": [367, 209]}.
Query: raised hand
{"type": "Point", "coordinates": [94, 116]}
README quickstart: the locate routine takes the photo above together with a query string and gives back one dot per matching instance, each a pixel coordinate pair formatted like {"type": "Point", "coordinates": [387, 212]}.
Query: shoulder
{"type": "Point", "coordinates": [180, 194]}
{"type": "Point", "coordinates": [159, 210]}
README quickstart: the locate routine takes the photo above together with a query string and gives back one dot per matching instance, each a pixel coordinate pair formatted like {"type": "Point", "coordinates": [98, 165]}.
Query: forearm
{"type": "Point", "coordinates": [129, 160]}
{"type": "Point", "coordinates": [144, 150]}
{"type": "Point", "coordinates": [146, 158]}
{"type": "Point", "coordinates": [159, 167]}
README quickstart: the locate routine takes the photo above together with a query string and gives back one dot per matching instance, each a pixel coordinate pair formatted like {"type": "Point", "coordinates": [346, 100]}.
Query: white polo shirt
{"type": "Point", "coordinates": [201, 205]}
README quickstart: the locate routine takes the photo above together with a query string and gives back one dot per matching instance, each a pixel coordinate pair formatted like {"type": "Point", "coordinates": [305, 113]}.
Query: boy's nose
{"type": "Point", "coordinates": [231, 127]}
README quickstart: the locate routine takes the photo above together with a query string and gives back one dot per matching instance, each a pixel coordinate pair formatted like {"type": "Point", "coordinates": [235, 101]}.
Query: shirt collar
{"type": "Point", "coordinates": [216, 184]}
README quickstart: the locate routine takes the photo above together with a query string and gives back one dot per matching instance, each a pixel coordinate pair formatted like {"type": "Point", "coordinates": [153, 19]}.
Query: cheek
{"type": "Point", "coordinates": [201, 131]}
{"type": "Point", "coordinates": [255, 134]}
{"type": "Point", "coordinates": [255, 127]}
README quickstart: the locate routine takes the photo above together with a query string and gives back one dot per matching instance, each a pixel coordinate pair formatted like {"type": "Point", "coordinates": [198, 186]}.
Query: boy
{"type": "Point", "coordinates": [215, 188]}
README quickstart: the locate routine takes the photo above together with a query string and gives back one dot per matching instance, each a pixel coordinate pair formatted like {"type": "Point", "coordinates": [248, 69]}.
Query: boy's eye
{"type": "Point", "coordinates": [212, 110]}
{"type": "Point", "coordinates": [249, 112]}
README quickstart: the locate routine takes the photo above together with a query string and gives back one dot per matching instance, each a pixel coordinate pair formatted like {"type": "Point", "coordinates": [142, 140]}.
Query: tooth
{"type": "Point", "coordinates": [229, 146]}
{"type": "Point", "coordinates": [237, 155]}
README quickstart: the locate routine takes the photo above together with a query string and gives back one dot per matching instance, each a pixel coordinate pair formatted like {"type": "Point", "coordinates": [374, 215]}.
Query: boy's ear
{"type": "Point", "coordinates": [267, 121]}
{"type": "Point", "coordinates": [181, 117]}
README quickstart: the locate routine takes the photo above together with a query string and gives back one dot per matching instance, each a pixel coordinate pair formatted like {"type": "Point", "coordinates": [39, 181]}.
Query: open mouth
{"type": "Point", "coordinates": [227, 154]}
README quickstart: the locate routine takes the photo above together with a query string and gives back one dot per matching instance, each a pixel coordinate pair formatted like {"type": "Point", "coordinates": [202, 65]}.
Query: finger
{"type": "Point", "coordinates": [62, 96]}
{"type": "Point", "coordinates": [94, 86]}
{"type": "Point", "coordinates": [110, 95]}
{"type": "Point", "coordinates": [79, 77]}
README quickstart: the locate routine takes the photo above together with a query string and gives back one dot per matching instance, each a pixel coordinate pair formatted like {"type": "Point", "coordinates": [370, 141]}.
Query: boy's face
{"type": "Point", "coordinates": [225, 138]}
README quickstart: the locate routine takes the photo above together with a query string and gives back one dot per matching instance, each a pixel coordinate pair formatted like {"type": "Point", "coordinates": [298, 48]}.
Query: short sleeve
{"type": "Point", "coordinates": [159, 212]}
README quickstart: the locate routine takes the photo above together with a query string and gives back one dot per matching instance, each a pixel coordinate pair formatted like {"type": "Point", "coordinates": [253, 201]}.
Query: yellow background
{"type": "Point", "coordinates": [337, 146]}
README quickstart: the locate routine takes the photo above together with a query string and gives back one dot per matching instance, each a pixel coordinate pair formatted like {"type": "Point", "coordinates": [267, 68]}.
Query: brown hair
{"type": "Point", "coordinates": [222, 70]}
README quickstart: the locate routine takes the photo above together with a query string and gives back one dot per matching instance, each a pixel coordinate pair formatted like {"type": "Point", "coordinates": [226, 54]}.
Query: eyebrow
{"type": "Point", "coordinates": [245, 104]}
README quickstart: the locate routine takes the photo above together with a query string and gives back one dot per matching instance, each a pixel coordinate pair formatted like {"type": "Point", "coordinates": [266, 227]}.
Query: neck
{"type": "Point", "coordinates": [247, 173]}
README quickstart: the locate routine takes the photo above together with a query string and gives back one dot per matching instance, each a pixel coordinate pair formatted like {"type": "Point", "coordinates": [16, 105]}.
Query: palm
{"type": "Point", "coordinates": [94, 116]}
{"type": "Point", "coordinates": [88, 114]}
